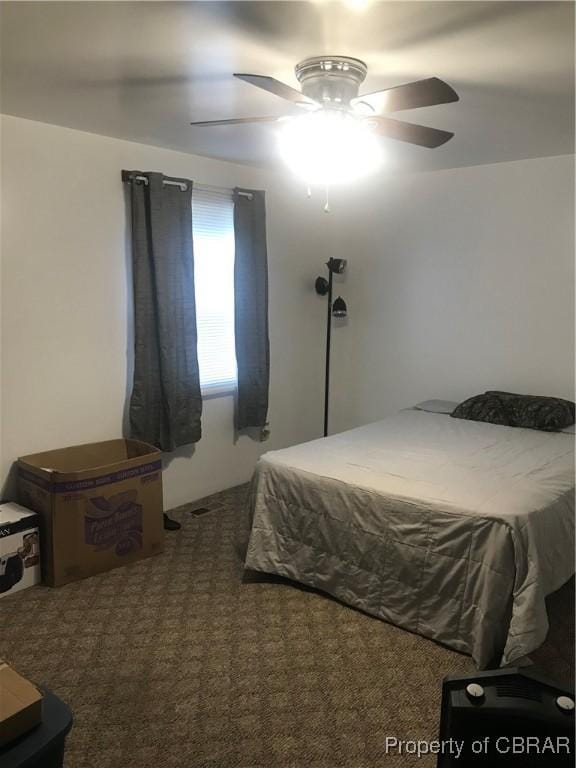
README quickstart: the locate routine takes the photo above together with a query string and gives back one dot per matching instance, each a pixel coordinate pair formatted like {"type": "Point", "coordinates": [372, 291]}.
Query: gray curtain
{"type": "Point", "coordinates": [251, 308]}
{"type": "Point", "coordinates": [166, 402]}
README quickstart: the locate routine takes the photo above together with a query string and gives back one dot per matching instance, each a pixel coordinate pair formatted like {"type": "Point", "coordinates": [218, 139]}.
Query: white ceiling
{"type": "Point", "coordinates": [143, 70]}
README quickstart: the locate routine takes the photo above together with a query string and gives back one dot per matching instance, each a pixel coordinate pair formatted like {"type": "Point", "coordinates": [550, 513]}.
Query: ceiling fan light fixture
{"type": "Point", "coordinates": [329, 146]}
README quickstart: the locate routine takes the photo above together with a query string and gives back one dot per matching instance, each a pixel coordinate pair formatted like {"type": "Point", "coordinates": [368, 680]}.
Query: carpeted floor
{"type": "Point", "coordinates": [179, 661]}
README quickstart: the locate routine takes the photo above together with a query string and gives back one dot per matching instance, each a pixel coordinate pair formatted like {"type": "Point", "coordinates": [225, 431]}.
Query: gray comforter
{"type": "Point", "coordinates": [456, 530]}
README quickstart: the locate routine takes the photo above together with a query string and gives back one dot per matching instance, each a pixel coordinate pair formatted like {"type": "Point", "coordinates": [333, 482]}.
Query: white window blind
{"type": "Point", "coordinates": [213, 236]}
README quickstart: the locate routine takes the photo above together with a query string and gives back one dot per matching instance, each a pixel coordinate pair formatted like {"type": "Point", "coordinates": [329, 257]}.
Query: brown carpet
{"type": "Point", "coordinates": [178, 661]}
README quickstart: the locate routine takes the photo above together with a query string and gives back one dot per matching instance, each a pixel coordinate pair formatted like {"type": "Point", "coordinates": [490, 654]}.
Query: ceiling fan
{"type": "Point", "coordinates": [332, 83]}
{"type": "Point", "coordinates": [336, 140]}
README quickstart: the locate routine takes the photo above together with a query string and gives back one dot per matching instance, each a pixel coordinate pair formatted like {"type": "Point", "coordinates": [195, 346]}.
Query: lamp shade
{"type": "Point", "coordinates": [339, 308]}
{"type": "Point", "coordinates": [337, 266]}
{"type": "Point", "coordinates": [321, 286]}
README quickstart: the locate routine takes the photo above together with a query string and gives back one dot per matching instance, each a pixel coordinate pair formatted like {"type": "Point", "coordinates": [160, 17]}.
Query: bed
{"type": "Point", "coordinates": [456, 530]}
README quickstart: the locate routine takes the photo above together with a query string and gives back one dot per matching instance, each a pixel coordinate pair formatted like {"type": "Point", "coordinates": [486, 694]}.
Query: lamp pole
{"type": "Point", "coordinates": [328, 339]}
{"type": "Point", "coordinates": [338, 309]}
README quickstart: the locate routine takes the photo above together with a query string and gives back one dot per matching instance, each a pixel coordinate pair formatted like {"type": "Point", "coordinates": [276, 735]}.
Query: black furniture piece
{"type": "Point", "coordinates": [507, 717]}
{"type": "Point", "coordinates": [43, 746]}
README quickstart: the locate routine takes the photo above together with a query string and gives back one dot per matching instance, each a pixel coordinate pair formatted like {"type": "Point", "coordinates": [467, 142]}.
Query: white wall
{"type": "Point", "coordinates": [65, 310]}
{"type": "Point", "coordinates": [459, 281]}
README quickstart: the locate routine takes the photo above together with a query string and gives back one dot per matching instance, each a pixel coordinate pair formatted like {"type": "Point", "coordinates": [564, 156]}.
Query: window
{"type": "Point", "coordinates": [213, 236]}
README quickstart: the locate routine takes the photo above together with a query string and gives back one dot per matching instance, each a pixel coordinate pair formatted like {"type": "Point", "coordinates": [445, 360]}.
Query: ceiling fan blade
{"type": "Point", "coordinates": [282, 90]}
{"type": "Point", "coordinates": [236, 121]}
{"type": "Point", "coordinates": [413, 134]}
{"type": "Point", "coordinates": [422, 93]}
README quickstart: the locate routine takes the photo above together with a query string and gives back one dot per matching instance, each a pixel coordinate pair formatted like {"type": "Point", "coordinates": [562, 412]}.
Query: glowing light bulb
{"type": "Point", "coordinates": [329, 146]}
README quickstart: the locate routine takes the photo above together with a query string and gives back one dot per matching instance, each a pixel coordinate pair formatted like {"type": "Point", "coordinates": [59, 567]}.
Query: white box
{"type": "Point", "coordinates": [19, 548]}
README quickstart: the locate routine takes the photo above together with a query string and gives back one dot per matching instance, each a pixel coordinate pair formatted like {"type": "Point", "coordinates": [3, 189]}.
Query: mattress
{"type": "Point", "coordinates": [456, 530]}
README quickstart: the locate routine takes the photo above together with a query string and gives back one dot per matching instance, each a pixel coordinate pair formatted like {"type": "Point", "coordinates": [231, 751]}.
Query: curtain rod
{"type": "Point", "coordinates": [183, 185]}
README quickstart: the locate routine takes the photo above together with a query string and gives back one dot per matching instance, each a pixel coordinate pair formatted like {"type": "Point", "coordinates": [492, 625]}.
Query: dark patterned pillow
{"type": "Point", "coordinates": [549, 414]}
{"type": "Point", "coordinates": [488, 407]}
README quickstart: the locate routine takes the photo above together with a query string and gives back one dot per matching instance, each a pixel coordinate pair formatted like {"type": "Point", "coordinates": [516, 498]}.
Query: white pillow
{"type": "Point", "coordinates": [436, 406]}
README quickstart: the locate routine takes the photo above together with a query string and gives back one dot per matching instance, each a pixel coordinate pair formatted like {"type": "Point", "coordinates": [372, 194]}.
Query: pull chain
{"type": "Point", "coordinates": [327, 206]}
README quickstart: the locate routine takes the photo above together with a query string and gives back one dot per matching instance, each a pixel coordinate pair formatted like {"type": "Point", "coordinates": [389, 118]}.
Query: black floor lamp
{"type": "Point", "coordinates": [338, 309]}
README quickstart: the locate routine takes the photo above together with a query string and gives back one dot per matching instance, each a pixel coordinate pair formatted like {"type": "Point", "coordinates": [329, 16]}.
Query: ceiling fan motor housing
{"type": "Point", "coordinates": [331, 80]}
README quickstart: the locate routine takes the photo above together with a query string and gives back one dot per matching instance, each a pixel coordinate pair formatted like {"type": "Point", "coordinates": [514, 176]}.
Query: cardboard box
{"type": "Point", "coordinates": [100, 506]}
{"type": "Point", "coordinates": [20, 704]}
{"type": "Point", "coordinates": [19, 549]}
